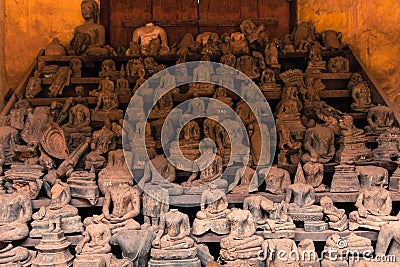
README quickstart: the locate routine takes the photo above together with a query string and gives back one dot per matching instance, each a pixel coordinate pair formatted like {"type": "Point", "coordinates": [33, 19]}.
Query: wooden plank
{"type": "Point", "coordinates": [344, 93]}
{"type": "Point", "coordinates": [131, 23]}
{"type": "Point", "coordinates": [179, 10]}
{"type": "Point", "coordinates": [280, 8]}
{"type": "Point", "coordinates": [300, 234]}
{"type": "Point", "coordinates": [20, 90]}
{"type": "Point", "coordinates": [249, 9]}
{"type": "Point", "coordinates": [329, 76]}
{"type": "Point", "coordinates": [123, 10]}
{"type": "Point", "coordinates": [270, 21]}
{"type": "Point", "coordinates": [86, 80]}
{"type": "Point", "coordinates": [167, 58]}
{"type": "Point", "coordinates": [92, 100]}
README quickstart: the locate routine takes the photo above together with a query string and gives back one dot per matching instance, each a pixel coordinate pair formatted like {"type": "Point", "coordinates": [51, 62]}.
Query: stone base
{"type": "Point", "coordinates": [219, 226]}
{"type": "Point", "coordinates": [68, 225]}
{"type": "Point", "coordinates": [247, 262]}
{"type": "Point", "coordinates": [93, 260]}
{"type": "Point", "coordinates": [315, 226]}
{"type": "Point", "coordinates": [83, 185]}
{"type": "Point", "coordinates": [345, 179]}
{"type": "Point", "coordinates": [53, 251]}
{"type": "Point", "coordinates": [175, 263]}
{"type": "Point", "coordinates": [270, 87]}
{"type": "Point", "coordinates": [171, 255]}
{"type": "Point", "coordinates": [279, 234]}
{"type": "Point", "coordinates": [304, 216]}
{"type": "Point", "coordinates": [113, 115]}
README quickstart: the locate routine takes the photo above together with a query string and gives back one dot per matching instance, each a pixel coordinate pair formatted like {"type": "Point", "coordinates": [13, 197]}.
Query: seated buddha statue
{"type": "Point", "coordinates": [121, 206]}
{"type": "Point", "coordinates": [16, 211]}
{"type": "Point", "coordinates": [379, 118]}
{"type": "Point", "coordinates": [172, 244]}
{"type": "Point", "coordinates": [89, 38]}
{"type": "Point", "coordinates": [59, 211]}
{"type": "Point", "coordinates": [374, 206]}
{"type": "Point", "coordinates": [270, 217]}
{"type": "Point", "coordinates": [208, 172]}
{"type": "Point", "coordinates": [360, 92]}
{"type": "Point", "coordinates": [151, 39]}
{"type": "Point", "coordinates": [214, 209]}
{"type": "Point", "coordinates": [241, 245]}
{"type": "Point", "coordinates": [159, 171]}
{"type": "Point", "coordinates": [301, 198]}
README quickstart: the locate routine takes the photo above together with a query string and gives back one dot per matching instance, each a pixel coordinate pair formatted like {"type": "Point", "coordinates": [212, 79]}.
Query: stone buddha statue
{"type": "Point", "coordinates": [121, 206]}
{"type": "Point", "coordinates": [89, 38]}
{"type": "Point", "coordinates": [246, 180]}
{"type": "Point", "coordinates": [208, 172]}
{"type": "Point", "coordinates": [107, 105]}
{"type": "Point", "coordinates": [241, 245]}
{"type": "Point", "coordinates": [276, 179]}
{"type": "Point", "coordinates": [78, 122]}
{"type": "Point", "coordinates": [319, 144]}
{"type": "Point", "coordinates": [172, 244]}
{"type": "Point", "coordinates": [122, 84]}
{"type": "Point", "coordinates": [202, 78]}
{"type": "Point", "coordinates": [151, 39]}
{"type": "Point", "coordinates": [214, 209]}
{"type": "Point", "coordinates": [374, 206]}
{"type": "Point", "coordinates": [59, 212]}
{"type": "Point", "coordinates": [301, 198]}
{"type": "Point", "coordinates": [270, 217]}
{"type": "Point", "coordinates": [103, 141]}
{"type": "Point", "coordinates": [159, 171]}
{"type": "Point", "coordinates": [16, 211]}
{"type": "Point", "coordinates": [380, 119]}
{"type": "Point", "coordinates": [360, 92]}
{"type": "Point", "coordinates": [96, 237]}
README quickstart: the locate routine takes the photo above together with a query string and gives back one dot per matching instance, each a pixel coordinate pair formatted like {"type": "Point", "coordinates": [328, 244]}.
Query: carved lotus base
{"type": "Point", "coordinates": [173, 254]}
{"type": "Point", "coordinates": [219, 226]}
{"type": "Point", "coordinates": [175, 263]}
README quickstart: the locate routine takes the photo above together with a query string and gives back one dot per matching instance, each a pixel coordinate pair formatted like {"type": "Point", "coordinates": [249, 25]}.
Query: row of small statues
{"type": "Point", "coordinates": [166, 236]}
{"type": "Point", "coordinates": [151, 40]}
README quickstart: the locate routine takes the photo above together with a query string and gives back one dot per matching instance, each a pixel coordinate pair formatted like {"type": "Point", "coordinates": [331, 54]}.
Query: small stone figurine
{"type": "Point", "coordinates": [337, 217]}
{"type": "Point", "coordinates": [214, 209]}
{"type": "Point", "coordinates": [360, 92]}
{"type": "Point", "coordinates": [241, 246]}
{"type": "Point", "coordinates": [172, 244]}
{"type": "Point", "coordinates": [374, 207]}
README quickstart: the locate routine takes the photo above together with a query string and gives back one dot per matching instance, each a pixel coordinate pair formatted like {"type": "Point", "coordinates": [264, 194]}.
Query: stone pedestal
{"type": "Point", "coordinates": [316, 226]}
{"type": "Point", "coordinates": [83, 185]}
{"type": "Point", "coordinates": [218, 226]}
{"type": "Point", "coordinates": [93, 260]}
{"type": "Point", "coordinates": [175, 263]}
{"type": "Point", "coordinates": [345, 179]}
{"type": "Point", "coordinates": [53, 251]}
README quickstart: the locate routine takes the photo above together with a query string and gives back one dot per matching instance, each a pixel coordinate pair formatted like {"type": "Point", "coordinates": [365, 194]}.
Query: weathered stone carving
{"type": "Point", "coordinates": [61, 79]}
{"type": "Point", "coordinates": [301, 197]}
{"type": "Point", "coordinates": [270, 217]}
{"type": "Point", "coordinates": [34, 85]}
{"type": "Point", "coordinates": [337, 217]}
{"type": "Point", "coordinates": [58, 213]}
{"type": "Point", "coordinates": [241, 245]}
{"type": "Point", "coordinates": [276, 179]}
{"type": "Point", "coordinates": [360, 92]}
{"type": "Point", "coordinates": [339, 65]}
{"type": "Point", "coordinates": [172, 244]}
{"type": "Point", "coordinates": [214, 209]}
{"type": "Point", "coordinates": [374, 207]}
{"type": "Point", "coordinates": [345, 179]}
{"type": "Point", "coordinates": [151, 39]}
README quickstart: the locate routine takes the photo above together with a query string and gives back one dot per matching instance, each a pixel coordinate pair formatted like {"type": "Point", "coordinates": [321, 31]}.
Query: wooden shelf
{"type": "Point", "coordinates": [300, 234]}
{"type": "Point", "coordinates": [329, 76]}
{"type": "Point", "coordinates": [190, 200]}
{"type": "Point", "coordinates": [101, 58]}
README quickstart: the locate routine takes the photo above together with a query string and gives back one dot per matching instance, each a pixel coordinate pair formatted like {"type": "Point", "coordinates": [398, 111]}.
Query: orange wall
{"type": "Point", "coordinates": [369, 25]}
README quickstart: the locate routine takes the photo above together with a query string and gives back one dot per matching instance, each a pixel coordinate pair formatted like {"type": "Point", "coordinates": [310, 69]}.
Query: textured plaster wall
{"type": "Point", "coordinates": [29, 26]}
{"type": "Point", "coordinates": [370, 26]}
